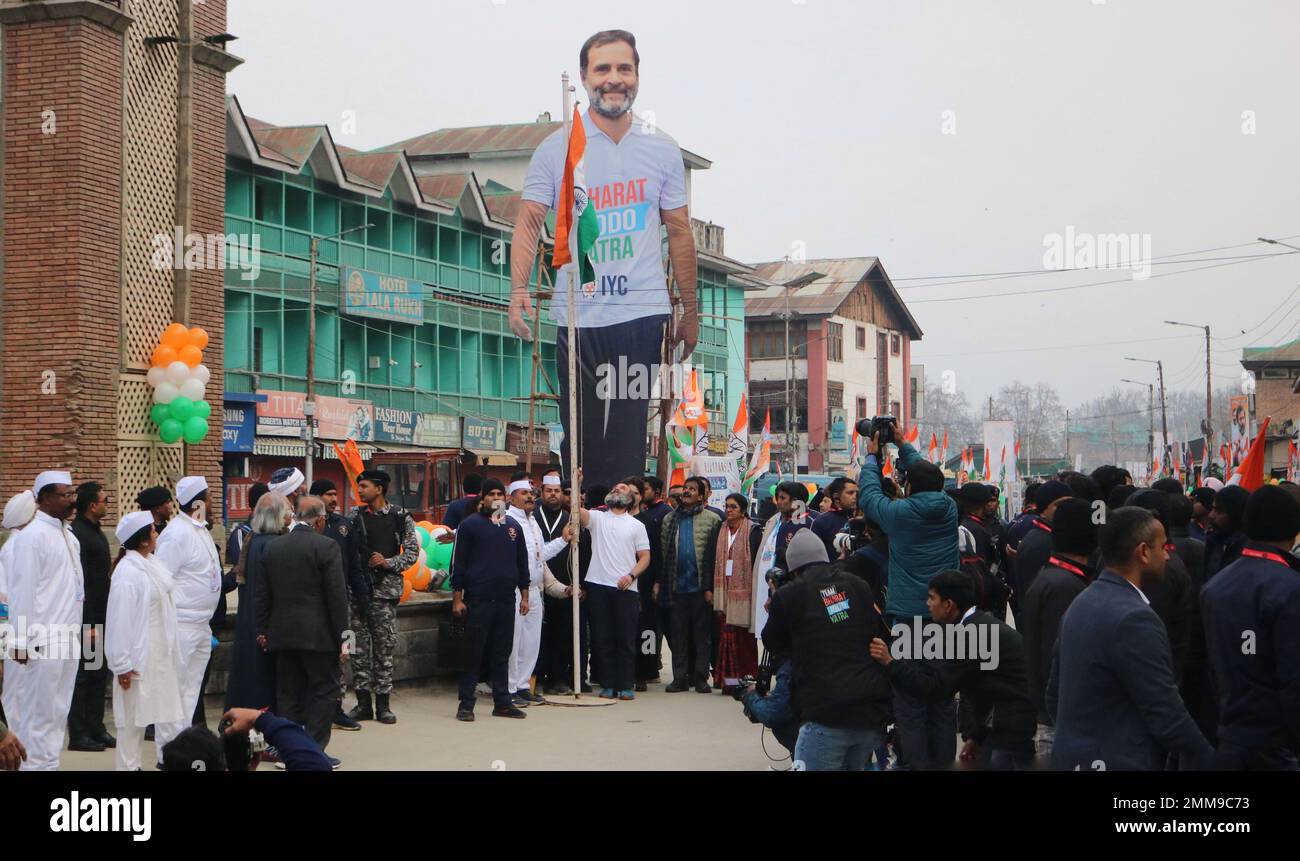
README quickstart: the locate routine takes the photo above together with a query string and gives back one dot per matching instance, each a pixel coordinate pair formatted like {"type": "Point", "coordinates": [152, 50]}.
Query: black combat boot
{"type": "Point", "coordinates": [362, 710]}
{"type": "Point", "coordinates": [383, 713]}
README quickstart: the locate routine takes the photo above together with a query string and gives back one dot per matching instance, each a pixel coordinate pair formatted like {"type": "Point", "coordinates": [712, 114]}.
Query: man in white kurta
{"type": "Point", "coordinates": [141, 643]}
{"type": "Point", "coordinates": [528, 629]}
{"type": "Point", "coordinates": [45, 591]}
{"type": "Point", "coordinates": [187, 549]}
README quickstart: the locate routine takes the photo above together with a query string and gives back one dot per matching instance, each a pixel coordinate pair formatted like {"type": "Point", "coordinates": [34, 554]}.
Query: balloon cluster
{"type": "Point", "coordinates": [433, 557]}
{"type": "Point", "coordinates": [179, 378]}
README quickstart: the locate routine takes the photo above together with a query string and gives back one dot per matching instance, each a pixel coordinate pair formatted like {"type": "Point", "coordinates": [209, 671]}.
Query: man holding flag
{"type": "Point", "coordinates": [611, 190]}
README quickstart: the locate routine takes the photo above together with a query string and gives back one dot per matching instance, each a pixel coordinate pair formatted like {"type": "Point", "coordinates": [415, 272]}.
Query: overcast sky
{"type": "Point", "coordinates": [946, 138]}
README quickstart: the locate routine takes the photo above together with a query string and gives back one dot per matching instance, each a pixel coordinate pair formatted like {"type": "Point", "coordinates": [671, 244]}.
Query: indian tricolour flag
{"type": "Point", "coordinates": [576, 207]}
{"type": "Point", "coordinates": [762, 459]}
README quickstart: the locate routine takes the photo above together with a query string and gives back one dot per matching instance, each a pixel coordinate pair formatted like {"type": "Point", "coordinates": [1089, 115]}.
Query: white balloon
{"type": "Point", "coordinates": [201, 373]}
{"type": "Point", "coordinates": [192, 389]}
{"type": "Point", "coordinates": [165, 393]}
{"type": "Point", "coordinates": [156, 376]}
{"type": "Point", "coordinates": [178, 372]}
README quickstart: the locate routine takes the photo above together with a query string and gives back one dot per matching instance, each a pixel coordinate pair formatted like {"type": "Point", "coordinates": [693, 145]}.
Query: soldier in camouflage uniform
{"type": "Point", "coordinates": [388, 545]}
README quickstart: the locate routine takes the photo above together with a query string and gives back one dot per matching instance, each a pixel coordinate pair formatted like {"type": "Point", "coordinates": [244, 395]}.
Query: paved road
{"type": "Point", "coordinates": [657, 731]}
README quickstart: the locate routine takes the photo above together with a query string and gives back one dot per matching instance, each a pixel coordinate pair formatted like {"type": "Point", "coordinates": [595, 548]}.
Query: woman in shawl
{"type": "Point", "coordinates": [252, 669]}
{"type": "Point", "coordinates": [140, 643]}
{"type": "Point", "coordinates": [732, 595]}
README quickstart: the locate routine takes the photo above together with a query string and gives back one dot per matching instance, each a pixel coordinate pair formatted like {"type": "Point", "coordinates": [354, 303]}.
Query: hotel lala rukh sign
{"type": "Point", "coordinates": [383, 297]}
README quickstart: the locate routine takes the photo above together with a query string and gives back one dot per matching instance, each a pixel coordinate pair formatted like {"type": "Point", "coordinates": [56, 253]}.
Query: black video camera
{"type": "Point", "coordinates": [883, 424]}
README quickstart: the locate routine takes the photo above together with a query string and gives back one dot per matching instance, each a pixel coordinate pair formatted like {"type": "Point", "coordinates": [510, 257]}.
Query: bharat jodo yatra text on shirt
{"type": "Point", "coordinates": [628, 183]}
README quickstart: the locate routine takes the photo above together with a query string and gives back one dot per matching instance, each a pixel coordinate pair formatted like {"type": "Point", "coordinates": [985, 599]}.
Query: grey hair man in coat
{"type": "Point", "coordinates": [302, 619]}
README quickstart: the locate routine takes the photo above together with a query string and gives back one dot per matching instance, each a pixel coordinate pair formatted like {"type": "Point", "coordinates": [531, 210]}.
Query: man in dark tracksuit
{"type": "Point", "coordinates": [489, 562]}
{"type": "Point", "coordinates": [339, 528]}
{"type": "Point", "coordinates": [1259, 676]}
{"type": "Point", "coordinates": [1066, 574]}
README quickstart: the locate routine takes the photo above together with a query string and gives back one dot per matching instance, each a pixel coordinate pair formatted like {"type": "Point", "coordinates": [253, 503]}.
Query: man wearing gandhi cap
{"type": "Point", "coordinates": [45, 591]}
{"type": "Point", "coordinates": [188, 552]}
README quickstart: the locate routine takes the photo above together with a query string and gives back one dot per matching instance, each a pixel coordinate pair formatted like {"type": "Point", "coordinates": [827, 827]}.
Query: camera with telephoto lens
{"type": "Point", "coordinates": [776, 578]}
{"type": "Point", "coordinates": [884, 424]}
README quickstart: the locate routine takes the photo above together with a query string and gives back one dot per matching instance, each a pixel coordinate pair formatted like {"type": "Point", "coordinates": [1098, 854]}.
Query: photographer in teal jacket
{"type": "Point", "coordinates": [922, 530]}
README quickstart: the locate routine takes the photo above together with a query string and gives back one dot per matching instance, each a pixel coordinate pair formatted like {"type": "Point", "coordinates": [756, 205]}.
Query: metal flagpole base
{"type": "Point", "coordinates": [580, 700]}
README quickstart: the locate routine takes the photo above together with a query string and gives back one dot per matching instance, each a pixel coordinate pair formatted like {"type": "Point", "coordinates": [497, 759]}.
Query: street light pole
{"type": "Point", "coordinates": [309, 403]}
{"type": "Point", "coordinates": [1151, 417]}
{"type": "Point", "coordinates": [1164, 421]}
{"type": "Point", "coordinates": [1207, 429]}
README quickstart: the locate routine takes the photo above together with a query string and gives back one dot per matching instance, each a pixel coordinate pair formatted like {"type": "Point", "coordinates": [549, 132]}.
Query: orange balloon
{"type": "Point", "coordinates": [163, 355]}
{"type": "Point", "coordinates": [198, 337]}
{"type": "Point", "coordinates": [427, 525]}
{"type": "Point", "coordinates": [409, 574]}
{"type": "Point", "coordinates": [175, 336]}
{"type": "Point", "coordinates": [422, 580]}
{"type": "Point", "coordinates": [406, 592]}
{"type": "Point", "coordinates": [190, 355]}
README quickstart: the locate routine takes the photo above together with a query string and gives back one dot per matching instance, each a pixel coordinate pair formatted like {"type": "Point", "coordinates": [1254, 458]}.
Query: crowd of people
{"type": "Point", "coordinates": [1117, 627]}
{"type": "Point", "coordinates": [317, 591]}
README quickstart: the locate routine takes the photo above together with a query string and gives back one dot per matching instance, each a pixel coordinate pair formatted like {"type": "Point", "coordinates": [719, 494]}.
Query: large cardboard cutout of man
{"type": "Point", "coordinates": [636, 181]}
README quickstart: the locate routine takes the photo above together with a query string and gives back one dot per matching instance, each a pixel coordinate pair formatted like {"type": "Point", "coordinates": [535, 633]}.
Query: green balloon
{"type": "Point", "coordinates": [158, 414]}
{"type": "Point", "coordinates": [181, 409]}
{"type": "Point", "coordinates": [202, 409]}
{"type": "Point", "coordinates": [170, 430]}
{"type": "Point", "coordinates": [423, 535]}
{"type": "Point", "coordinates": [195, 430]}
{"type": "Point", "coordinates": [440, 558]}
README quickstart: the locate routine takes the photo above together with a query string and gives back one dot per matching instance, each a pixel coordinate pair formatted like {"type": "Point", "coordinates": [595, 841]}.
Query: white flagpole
{"type": "Point", "coordinates": [575, 483]}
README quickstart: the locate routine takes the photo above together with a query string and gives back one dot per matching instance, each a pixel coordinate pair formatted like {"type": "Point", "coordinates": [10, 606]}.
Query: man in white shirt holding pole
{"type": "Point", "coordinates": [187, 550]}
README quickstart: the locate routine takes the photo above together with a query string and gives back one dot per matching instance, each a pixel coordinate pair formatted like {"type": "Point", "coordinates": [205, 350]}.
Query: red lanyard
{"type": "Point", "coordinates": [1264, 554]}
{"type": "Point", "coordinates": [1068, 566]}
{"type": "Point", "coordinates": [1041, 525]}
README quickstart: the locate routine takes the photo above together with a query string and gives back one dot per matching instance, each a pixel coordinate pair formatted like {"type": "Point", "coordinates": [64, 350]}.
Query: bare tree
{"type": "Point", "coordinates": [951, 411]}
{"type": "Point", "coordinates": [1040, 419]}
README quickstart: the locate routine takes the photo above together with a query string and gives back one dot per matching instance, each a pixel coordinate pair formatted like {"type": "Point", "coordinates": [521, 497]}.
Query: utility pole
{"type": "Point", "coordinates": [1164, 420]}
{"type": "Point", "coordinates": [990, 409]}
{"type": "Point", "coordinates": [1068, 462]}
{"type": "Point", "coordinates": [309, 403]}
{"type": "Point", "coordinates": [184, 149]}
{"type": "Point", "coordinates": [1207, 426]}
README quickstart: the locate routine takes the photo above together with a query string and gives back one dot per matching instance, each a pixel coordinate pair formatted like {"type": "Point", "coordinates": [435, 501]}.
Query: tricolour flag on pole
{"type": "Point", "coordinates": [574, 209]}
{"type": "Point", "coordinates": [988, 470]}
{"type": "Point", "coordinates": [736, 445]}
{"type": "Point", "coordinates": [762, 458]}
{"type": "Point", "coordinates": [943, 449]}
{"type": "Point", "coordinates": [934, 448]}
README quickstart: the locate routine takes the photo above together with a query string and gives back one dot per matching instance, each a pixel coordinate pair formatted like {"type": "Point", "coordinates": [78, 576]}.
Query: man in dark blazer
{"type": "Point", "coordinates": [1111, 694]}
{"type": "Point", "coordinates": [302, 613]}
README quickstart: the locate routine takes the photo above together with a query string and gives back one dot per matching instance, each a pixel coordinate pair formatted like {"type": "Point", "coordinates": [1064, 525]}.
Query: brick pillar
{"type": "Point", "coordinates": [89, 181]}
{"type": "Point", "coordinates": [62, 230]}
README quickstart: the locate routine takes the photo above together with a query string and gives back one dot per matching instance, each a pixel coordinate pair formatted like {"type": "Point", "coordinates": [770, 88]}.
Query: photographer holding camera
{"type": "Point", "coordinates": [825, 619]}
{"type": "Point", "coordinates": [922, 529]}
{"type": "Point", "coordinates": [769, 700]}
{"type": "Point", "coordinates": [241, 737]}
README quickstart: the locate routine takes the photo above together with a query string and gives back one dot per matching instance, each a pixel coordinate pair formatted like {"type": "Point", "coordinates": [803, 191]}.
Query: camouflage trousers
{"type": "Point", "coordinates": [376, 639]}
